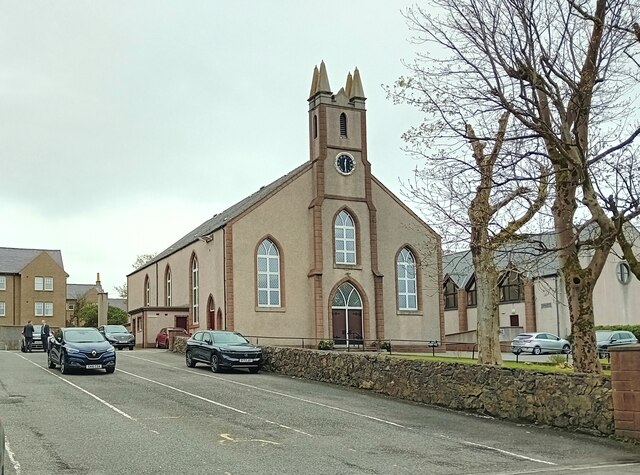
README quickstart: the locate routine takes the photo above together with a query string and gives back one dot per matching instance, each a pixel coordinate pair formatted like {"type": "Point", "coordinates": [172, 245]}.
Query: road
{"type": "Point", "coordinates": [155, 415]}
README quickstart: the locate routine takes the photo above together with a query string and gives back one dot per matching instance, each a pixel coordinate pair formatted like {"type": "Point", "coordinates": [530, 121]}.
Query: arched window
{"type": "Point", "coordinates": [315, 126]}
{"type": "Point", "coordinates": [346, 315]}
{"type": "Point", "coordinates": [407, 285]}
{"type": "Point", "coordinates": [450, 295]}
{"type": "Point", "coordinates": [167, 281]}
{"type": "Point", "coordinates": [345, 239]}
{"type": "Point", "coordinates": [511, 287]}
{"type": "Point", "coordinates": [195, 289]}
{"type": "Point", "coordinates": [343, 125]}
{"type": "Point", "coordinates": [147, 291]}
{"type": "Point", "coordinates": [268, 265]}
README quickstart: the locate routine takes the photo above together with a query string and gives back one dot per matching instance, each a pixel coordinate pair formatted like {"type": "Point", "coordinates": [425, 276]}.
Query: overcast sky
{"type": "Point", "coordinates": [125, 124]}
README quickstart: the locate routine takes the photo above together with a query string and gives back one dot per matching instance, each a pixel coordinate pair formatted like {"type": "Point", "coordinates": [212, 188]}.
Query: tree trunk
{"type": "Point", "coordinates": [488, 314]}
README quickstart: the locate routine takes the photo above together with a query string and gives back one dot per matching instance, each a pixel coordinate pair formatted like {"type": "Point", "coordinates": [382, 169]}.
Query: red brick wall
{"type": "Point", "coordinates": [625, 381]}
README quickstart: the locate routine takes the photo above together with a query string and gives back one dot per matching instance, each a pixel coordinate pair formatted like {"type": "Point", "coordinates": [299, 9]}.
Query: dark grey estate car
{"type": "Point", "coordinates": [222, 349]}
{"type": "Point", "coordinates": [608, 338]}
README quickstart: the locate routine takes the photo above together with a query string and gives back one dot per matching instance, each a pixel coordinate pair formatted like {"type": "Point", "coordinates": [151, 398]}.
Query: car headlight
{"type": "Point", "coordinates": [72, 350]}
{"type": "Point", "coordinates": [111, 349]}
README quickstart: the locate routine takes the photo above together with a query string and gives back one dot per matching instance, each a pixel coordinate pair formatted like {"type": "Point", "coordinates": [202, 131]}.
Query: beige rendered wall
{"type": "Point", "coordinates": [287, 219]}
{"type": "Point", "coordinates": [615, 303]}
{"type": "Point", "coordinates": [43, 266]}
{"type": "Point", "coordinates": [397, 228]}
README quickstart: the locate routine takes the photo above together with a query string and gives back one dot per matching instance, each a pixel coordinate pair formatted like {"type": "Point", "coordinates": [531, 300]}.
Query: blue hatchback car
{"type": "Point", "coordinates": [81, 348]}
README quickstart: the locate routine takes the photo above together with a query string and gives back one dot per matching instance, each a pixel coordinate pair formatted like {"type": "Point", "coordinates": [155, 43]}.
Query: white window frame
{"type": "Point", "coordinates": [268, 258]}
{"type": "Point", "coordinates": [38, 310]}
{"type": "Point", "coordinates": [147, 291]}
{"type": "Point", "coordinates": [39, 283]}
{"type": "Point", "coordinates": [168, 287]}
{"type": "Point", "coordinates": [343, 224]}
{"type": "Point", "coordinates": [3, 309]}
{"type": "Point", "coordinates": [3, 282]}
{"type": "Point", "coordinates": [406, 266]}
{"type": "Point", "coordinates": [48, 284]}
{"type": "Point", "coordinates": [48, 309]}
{"type": "Point", "coordinates": [195, 289]}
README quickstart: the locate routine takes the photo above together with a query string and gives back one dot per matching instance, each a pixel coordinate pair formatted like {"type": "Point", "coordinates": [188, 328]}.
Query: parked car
{"type": "Point", "coordinates": [118, 336]}
{"type": "Point", "coordinates": [36, 343]}
{"type": "Point", "coordinates": [608, 338]}
{"type": "Point", "coordinates": [538, 343]}
{"type": "Point", "coordinates": [81, 348]}
{"type": "Point", "coordinates": [162, 338]}
{"type": "Point", "coordinates": [222, 349]}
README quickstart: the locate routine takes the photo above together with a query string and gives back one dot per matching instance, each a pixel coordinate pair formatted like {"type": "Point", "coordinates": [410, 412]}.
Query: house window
{"type": "Point", "coordinates": [345, 239]}
{"type": "Point", "coordinates": [450, 295]}
{"type": "Point", "coordinates": [147, 292]}
{"type": "Point", "coordinates": [511, 288]}
{"type": "Point", "coordinates": [44, 283]}
{"type": "Point", "coordinates": [48, 284]}
{"type": "Point", "coordinates": [2, 309]}
{"type": "Point", "coordinates": [168, 287]}
{"type": "Point", "coordinates": [407, 286]}
{"type": "Point", "coordinates": [268, 264]}
{"type": "Point", "coordinates": [343, 125]}
{"type": "Point", "coordinates": [39, 283]}
{"type": "Point", "coordinates": [195, 289]}
{"type": "Point", "coordinates": [472, 294]}
{"type": "Point", "coordinates": [39, 309]}
{"type": "Point", "coordinates": [70, 306]}
{"type": "Point", "coordinates": [48, 309]}
{"type": "Point", "coordinates": [3, 282]}
{"type": "Point", "coordinates": [623, 271]}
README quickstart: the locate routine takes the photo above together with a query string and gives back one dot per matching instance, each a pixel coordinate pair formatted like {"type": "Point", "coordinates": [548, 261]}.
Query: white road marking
{"type": "Point", "coordinates": [12, 457]}
{"type": "Point", "coordinates": [97, 398]}
{"type": "Point", "coordinates": [277, 393]}
{"type": "Point", "coordinates": [572, 469]}
{"type": "Point", "coordinates": [495, 449]}
{"type": "Point", "coordinates": [225, 406]}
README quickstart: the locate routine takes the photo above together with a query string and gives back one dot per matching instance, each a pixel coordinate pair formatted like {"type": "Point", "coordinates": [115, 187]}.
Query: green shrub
{"type": "Point", "coordinates": [325, 345]}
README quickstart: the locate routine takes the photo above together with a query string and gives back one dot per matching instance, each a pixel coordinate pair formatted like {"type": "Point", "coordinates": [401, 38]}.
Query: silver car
{"type": "Point", "coordinates": [608, 338]}
{"type": "Point", "coordinates": [538, 343]}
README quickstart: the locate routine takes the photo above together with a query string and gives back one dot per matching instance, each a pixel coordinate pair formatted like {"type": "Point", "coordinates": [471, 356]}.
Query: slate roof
{"type": "Point", "coordinates": [118, 303]}
{"type": "Point", "coordinates": [13, 260]}
{"type": "Point", "coordinates": [220, 220]}
{"type": "Point", "coordinates": [534, 257]}
{"type": "Point", "coordinates": [75, 291]}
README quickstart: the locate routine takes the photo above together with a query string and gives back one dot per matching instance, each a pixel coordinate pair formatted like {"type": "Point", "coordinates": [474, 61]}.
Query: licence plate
{"type": "Point", "coordinates": [245, 360]}
{"type": "Point", "coordinates": [94, 366]}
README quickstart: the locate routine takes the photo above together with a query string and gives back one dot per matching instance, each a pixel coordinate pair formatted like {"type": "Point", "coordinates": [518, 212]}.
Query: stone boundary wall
{"type": "Point", "coordinates": [570, 401]}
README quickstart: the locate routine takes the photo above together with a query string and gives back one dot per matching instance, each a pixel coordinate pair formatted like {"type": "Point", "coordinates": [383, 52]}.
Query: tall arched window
{"type": "Point", "coordinates": [167, 281]}
{"type": "Point", "coordinates": [407, 285]}
{"type": "Point", "coordinates": [343, 125]}
{"type": "Point", "coordinates": [147, 292]}
{"type": "Point", "coordinates": [268, 265]}
{"type": "Point", "coordinates": [511, 287]}
{"type": "Point", "coordinates": [195, 289]}
{"type": "Point", "coordinates": [345, 240]}
{"type": "Point", "coordinates": [315, 126]}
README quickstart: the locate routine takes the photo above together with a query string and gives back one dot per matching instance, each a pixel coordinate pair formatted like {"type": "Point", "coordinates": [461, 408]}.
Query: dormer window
{"type": "Point", "coordinates": [343, 125]}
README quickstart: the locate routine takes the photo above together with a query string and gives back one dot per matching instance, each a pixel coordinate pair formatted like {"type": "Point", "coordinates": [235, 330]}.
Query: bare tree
{"type": "Point", "coordinates": [565, 71]}
{"type": "Point", "coordinates": [140, 261]}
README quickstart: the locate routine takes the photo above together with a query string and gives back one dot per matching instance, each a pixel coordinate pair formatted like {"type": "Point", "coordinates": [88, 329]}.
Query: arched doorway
{"type": "Point", "coordinates": [346, 312]}
{"type": "Point", "coordinates": [211, 314]}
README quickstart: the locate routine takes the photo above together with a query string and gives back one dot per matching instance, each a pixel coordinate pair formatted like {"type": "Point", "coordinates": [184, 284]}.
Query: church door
{"type": "Point", "coordinates": [346, 314]}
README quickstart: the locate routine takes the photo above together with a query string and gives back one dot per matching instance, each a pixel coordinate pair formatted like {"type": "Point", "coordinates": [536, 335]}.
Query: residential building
{"type": "Point", "coordinates": [32, 286]}
{"type": "Point", "coordinates": [324, 252]}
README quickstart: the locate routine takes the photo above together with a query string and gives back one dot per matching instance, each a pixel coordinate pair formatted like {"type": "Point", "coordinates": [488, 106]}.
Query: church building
{"type": "Point", "coordinates": [324, 252]}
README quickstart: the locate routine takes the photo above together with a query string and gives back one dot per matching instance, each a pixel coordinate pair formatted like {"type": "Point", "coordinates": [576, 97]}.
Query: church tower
{"type": "Point", "coordinates": [342, 177]}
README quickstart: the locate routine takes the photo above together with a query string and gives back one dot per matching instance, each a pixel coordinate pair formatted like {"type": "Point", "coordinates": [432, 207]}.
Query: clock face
{"type": "Point", "coordinates": [345, 163]}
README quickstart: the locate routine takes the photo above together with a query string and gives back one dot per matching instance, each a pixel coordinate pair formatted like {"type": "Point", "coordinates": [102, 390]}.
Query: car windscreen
{"type": "Point", "coordinates": [90, 335]}
{"type": "Point", "coordinates": [229, 338]}
{"type": "Point", "coordinates": [115, 329]}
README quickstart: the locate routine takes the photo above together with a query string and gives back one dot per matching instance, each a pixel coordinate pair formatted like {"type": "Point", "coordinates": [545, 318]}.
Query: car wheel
{"type": "Point", "coordinates": [190, 362]}
{"type": "Point", "coordinates": [566, 349]}
{"type": "Point", "coordinates": [22, 348]}
{"type": "Point", "coordinates": [254, 370]}
{"type": "Point", "coordinates": [52, 365]}
{"type": "Point", "coordinates": [215, 363]}
{"type": "Point", "coordinates": [63, 365]}
{"type": "Point", "coordinates": [119, 348]}
{"type": "Point", "coordinates": [536, 350]}
{"type": "Point", "coordinates": [110, 370]}
{"type": "Point", "coordinates": [157, 344]}
{"type": "Point", "coordinates": [131, 348]}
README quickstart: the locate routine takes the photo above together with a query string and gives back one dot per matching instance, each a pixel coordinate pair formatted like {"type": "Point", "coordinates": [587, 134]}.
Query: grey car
{"type": "Point", "coordinates": [608, 338]}
{"type": "Point", "coordinates": [537, 343]}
